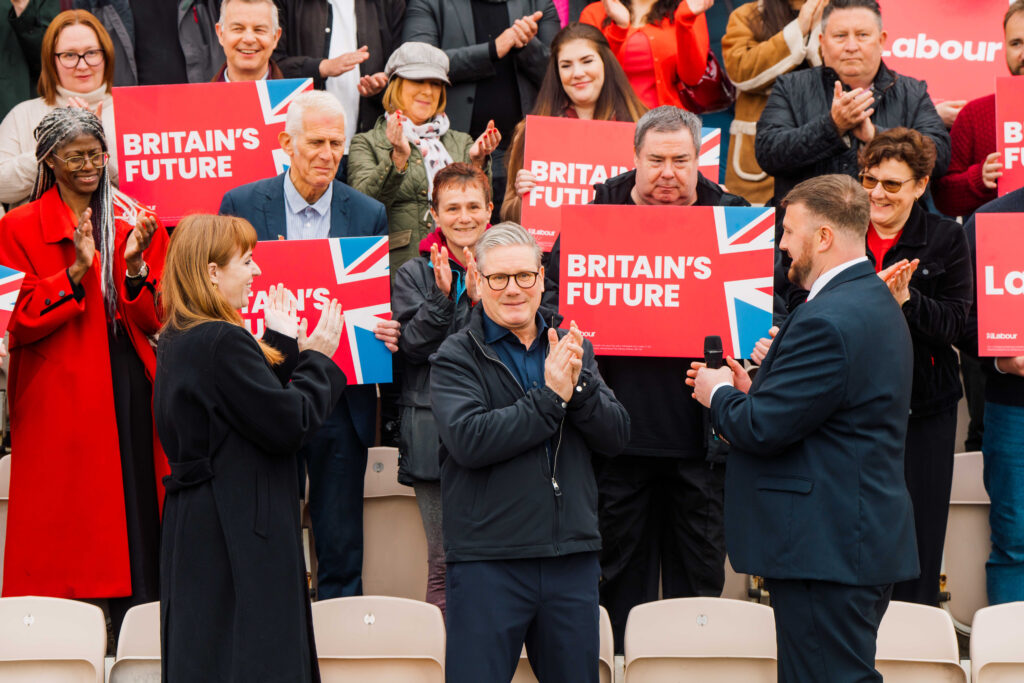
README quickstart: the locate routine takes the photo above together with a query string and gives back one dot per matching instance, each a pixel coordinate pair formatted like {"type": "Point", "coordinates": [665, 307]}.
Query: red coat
{"type": "Point", "coordinates": [679, 48]}
{"type": "Point", "coordinates": [66, 529]}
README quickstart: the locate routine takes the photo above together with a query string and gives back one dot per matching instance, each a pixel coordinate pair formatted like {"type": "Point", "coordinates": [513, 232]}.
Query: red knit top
{"type": "Point", "coordinates": [960, 191]}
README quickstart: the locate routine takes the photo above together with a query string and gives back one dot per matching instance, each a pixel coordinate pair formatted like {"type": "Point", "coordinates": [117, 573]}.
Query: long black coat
{"type": "Point", "coordinates": [234, 605]}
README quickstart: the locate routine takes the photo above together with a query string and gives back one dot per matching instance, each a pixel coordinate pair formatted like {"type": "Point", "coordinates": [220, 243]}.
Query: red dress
{"type": "Point", "coordinates": [66, 527]}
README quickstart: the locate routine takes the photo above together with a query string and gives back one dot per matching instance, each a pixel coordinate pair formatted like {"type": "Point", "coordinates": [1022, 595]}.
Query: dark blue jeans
{"type": "Point", "coordinates": [1003, 450]}
{"type": "Point", "coordinates": [550, 604]}
{"type": "Point", "coordinates": [336, 460]}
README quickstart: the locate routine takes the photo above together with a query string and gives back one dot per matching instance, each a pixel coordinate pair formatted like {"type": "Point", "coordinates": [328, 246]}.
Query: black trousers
{"type": "Point", "coordinates": [974, 392]}
{"type": "Point", "coordinates": [660, 518]}
{"type": "Point", "coordinates": [826, 631]}
{"type": "Point", "coordinates": [928, 467]}
{"type": "Point", "coordinates": [548, 603]}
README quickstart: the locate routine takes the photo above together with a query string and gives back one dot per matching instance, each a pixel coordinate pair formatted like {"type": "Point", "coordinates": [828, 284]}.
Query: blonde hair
{"type": "Point", "coordinates": [189, 297]}
{"type": "Point", "coordinates": [392, 99]}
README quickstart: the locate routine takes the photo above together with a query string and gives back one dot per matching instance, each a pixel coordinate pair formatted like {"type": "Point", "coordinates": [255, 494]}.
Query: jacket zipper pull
{"type": "Point", "coordinates": [556, 487]}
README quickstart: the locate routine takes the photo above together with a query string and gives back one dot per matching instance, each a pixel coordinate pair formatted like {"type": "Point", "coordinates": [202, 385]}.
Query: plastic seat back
{"type": "Point", "coordinates": [968, 541]}
{"type": "Point", "coordinates": [46, 640]}
{"type": "Point", "coordinates": [138, 646]}
{"type": "Point", "coordinates": [394, 543]}
{"type": "Point", "coordinates": [379, 638]}
{"type": "Point", "coordinates": [918, 643]}
{"type": "Point", "coordinates": [997, 644]}
{"type": "Point", "coordinates": [706, 639]}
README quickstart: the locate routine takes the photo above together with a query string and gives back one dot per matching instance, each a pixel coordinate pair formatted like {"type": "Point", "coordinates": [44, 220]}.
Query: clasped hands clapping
{"type": "Point", "coordinates": [564, 363]}
{"type": "Point", "coordinates": [282, 316]}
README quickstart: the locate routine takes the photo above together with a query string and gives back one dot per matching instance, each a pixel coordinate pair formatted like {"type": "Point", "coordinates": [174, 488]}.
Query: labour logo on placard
{"type": "Point", "coordinates": [356, 260]}
{"type": "Point", "coordinates": [10, 287]}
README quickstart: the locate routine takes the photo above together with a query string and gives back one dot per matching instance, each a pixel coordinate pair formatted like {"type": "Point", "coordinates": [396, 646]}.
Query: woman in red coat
{"type": "Point", "coordinates": [84, 498]}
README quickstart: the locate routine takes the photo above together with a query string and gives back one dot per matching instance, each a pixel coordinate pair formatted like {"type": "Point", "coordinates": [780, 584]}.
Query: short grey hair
{"type": "Point", "coordinates": [507, 234]}
{"type": "Point", "coordinates": [273, 11]}
{"type": "Point", "coordinates": [667, 119]}
{"type": "Point", "coordinates": [313, 100]}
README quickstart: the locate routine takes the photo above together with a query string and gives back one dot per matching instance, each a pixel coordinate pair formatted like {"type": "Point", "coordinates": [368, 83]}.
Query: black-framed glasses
{"type": "Point", "coordinates": [77, 162]}
{"type": "Point", "coordinates": [69, 60]}
{"type": "Point", "coordinates": [499, 281]}
{"type": "Point", "coordinates": [869, 182]}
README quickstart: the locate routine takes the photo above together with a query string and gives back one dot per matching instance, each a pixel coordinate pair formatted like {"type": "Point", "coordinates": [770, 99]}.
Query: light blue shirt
{"type": "Point", "coordinates": [306, 221]}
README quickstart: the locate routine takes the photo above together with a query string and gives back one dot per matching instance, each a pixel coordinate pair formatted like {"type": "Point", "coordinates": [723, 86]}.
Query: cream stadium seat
{"type": "Point", "coordinates": [5, 492]}
{"type": "Point", "coordinates": [918, 643]}
{"type": "Point", "coordinates": [606, 655]}
{"type": "Point", "coordinates": [394, 543]}
{"type": "Point", "coordinates": [737, 586]}
{"type": "Point", "coordinates": [700, 639]}
{"type": "Point", "coordinates": [379, 639]}
{"type": "Point", "coordinates": [46, 640]}
{"type": "Point", "coordinates": [138, 646]}
{"type": "Point", "coordinates": [967, 541]}
{"type": "Point", "coordinates": [997, 644]}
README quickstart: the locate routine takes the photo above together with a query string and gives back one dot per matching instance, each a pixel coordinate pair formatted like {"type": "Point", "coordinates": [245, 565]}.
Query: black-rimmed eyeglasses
{"type": "Point", "coordinates": [77, 162]}
{"type": "Point", "coordinates": [69, 60]}
{"type": "Point", "coordinates": [499, 281]}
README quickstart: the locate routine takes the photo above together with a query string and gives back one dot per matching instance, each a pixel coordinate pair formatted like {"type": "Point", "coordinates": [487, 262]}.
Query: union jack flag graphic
{"type": "Point", "coordinates": [748, 301]}
{"type": "Point", "coordinates": [10, 287]}
{"type": "Point", "coordinates": [710, 152]}
{"type": "Point", "coordinates": [353, 270]}
{"type": "Point", "coordinates": [275, 98]}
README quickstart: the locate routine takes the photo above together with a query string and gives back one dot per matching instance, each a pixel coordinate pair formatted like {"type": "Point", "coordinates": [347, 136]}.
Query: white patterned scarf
{"type": "Point", "coordinates": [427, 139]}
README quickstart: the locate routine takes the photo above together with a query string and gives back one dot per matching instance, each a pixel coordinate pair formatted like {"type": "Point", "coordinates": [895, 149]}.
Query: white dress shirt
{"type": "Point", "coordinates": [345, 86]}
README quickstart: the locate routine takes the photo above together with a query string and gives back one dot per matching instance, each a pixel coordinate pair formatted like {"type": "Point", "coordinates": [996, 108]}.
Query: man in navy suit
{"type": "Point", "coordinates": [306, 202]}
{"type": "Point", "coordinates": [815, 499]}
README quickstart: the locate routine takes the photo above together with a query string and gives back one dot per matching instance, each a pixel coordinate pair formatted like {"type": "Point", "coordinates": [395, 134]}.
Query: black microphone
{"type": "Point", "coordinates": [716, 448]}
{"type": "Point", "coordinates": [713, 351]}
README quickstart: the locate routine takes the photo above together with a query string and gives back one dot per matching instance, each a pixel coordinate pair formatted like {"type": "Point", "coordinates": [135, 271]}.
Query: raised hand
{"type": "Point", "coordinates": [85, 247]}
{"type": "Point", "coordinates": [899, 283]}
{"type": "Point", "coordinates": [79, 103]}
{"type": "Point", "coordinates": [344, 62]}
{"type": "Point", "coordinates": [557, 366]}
{"type": "Point", "coordinates": [617, 12]}
{"type": "Point", "coordinates": [327, 335]}
{"type": "Point", "coordinates": [850, 108]}
{"type": "Point", "coordinates": [699, 6]}
{"type": "Point", "coordinates": [810, 14]}
{"type": "Point", "coordinates": [471, 272]}
{"type": "Point", "coordinates": [521, 32]}
{"type": "Point", "coordinates": [372, 84]}
{"type": "Point", "coordinates": [992, 170]}
{"type": "Point", "coordinates": [400, 150]}
{"type": "Point", "coordinates": [442, 269]}
{"type": "Point", "coordinates": [282, 312]}
{"type": "Point", "coordinates": [576, 362]}
{"type": "Point", "coordinates": [484, 145]}
{"type": "Point", "coordinates": [762, 346]}
{"type": "Point", "coordinates": [138, 241]}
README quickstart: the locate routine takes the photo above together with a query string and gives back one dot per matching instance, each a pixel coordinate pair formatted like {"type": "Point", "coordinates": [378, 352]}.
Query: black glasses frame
{"type": "Point", "coordinates": [97, 57]}
{"type": "Point", "coordinates": [524, 280]}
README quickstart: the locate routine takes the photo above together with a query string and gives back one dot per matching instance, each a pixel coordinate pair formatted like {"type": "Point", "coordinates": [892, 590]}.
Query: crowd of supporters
{"type": "Point", "coordinates": [416, 130]}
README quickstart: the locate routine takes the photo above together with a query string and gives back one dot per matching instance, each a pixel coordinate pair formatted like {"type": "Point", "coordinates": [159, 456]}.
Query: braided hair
{"type": "Point", "coordinates": [59, 127]}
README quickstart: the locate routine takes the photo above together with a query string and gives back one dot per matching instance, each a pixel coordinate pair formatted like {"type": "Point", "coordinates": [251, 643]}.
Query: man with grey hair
{"type": "Point", "coordinates": [661, 501]}
{"type": "Point", "coordinates": [522, 411]}
{"type": "Point", "coordinates": [815, 495]}
{"type": "Point", "coordinates": [248, 30]}
{"type": "Point", "coordinates": [306, 202]}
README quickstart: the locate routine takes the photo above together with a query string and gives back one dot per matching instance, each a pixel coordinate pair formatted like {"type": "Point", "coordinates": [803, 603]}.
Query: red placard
{"type": "Point", "coordinates": [1010, 131]}
{"type": "Point", "coordinates": [1000, 244]}
{"type": "Point", "coordinates": [569, 156]}
{"type": "Point", "coordinates": [655, 280]}
{"type": "Point", "coordinates": [181, 147]}
{"type": "Point", "coordinates": [954, 45]}
{"type": "Point", "coordinates": [353, 270]}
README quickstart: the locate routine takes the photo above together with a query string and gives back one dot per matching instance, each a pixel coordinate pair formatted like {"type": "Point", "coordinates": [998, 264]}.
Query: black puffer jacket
{"type": "Point", "coordinates": [797, 139]}
{"type": "Point", "coordinates": [428, 317]}
{"type": "Point", "coordinates": [940, 299]}
{"type": "Point", "coordinates": [501, 497]}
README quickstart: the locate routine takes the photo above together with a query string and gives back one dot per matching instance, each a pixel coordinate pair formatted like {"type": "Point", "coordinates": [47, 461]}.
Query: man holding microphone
{"type": "Point", "coordinates": [815, 494]}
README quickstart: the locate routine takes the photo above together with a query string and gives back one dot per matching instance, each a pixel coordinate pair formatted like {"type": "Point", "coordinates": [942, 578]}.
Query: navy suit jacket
{"type": "Point", "coordinates": [815, 486]}
{"type": "Point", "coordinates": [353, 214]}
